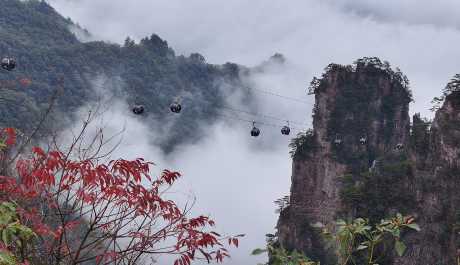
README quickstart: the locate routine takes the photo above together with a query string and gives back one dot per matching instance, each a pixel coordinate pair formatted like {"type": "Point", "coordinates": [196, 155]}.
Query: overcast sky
{"type": "Point", "coordinates": [419, 36]}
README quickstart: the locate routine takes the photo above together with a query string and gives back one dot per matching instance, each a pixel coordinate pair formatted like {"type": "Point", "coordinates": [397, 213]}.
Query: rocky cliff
{"type": "Point", "coordinates": [364, 158]}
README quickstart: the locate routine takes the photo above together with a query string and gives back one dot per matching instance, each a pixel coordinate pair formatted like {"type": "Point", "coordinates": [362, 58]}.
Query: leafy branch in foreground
{"type": "Point", "coordinates": [13, 235]}
{"type": "Point", "coordinates": [350, 240]}
{"type": "Point", "coordinates": [81, 210]}
{"type": "Point", "coordinates": [358, 237]}
{"type": "Point", "coordinates": [280, 256]}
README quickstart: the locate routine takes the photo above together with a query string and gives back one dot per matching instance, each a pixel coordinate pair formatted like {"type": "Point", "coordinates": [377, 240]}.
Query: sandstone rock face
{"type": "Point", "coordinates": [371, 101]}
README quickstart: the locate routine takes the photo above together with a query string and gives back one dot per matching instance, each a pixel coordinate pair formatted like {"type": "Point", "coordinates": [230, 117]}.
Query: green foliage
{"type": "Point", "coordinates": [13, 234]}
{"type": "Point", "coordinates": [11, 230]}
{"type": "Point", "coordinates": [280, 256]}
{"type": "Point", "coordinates": [282, 203]}
{"type": "Point", "coordinates": [352, 190]}
{"type": "Point", "coordinates": [420, 136]}
{"type": "Point", "coordinates": [6, 258]}
{"type": "Point", "coordinates": [370, 64]}
{"type": "Point", "coordinates": [356, 242]}
{"type": "Point", "coordinates": [302, 145]}
{"type": "Point", "coordinates": [314, 85]}
{"type": "Point", "coordinates": [375, 193]}
{"type": "Point", "coordinates": [451, 87]}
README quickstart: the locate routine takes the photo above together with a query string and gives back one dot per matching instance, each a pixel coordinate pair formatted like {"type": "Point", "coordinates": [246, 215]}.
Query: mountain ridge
{"type": "Point", "coordinates": [47, 51]}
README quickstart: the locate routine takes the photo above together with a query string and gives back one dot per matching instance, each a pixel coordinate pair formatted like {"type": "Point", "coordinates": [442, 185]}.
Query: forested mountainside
{"type": "Point", "coordinates": [364, 158]}
{"type": "Point", "coordinates": [148, 73]}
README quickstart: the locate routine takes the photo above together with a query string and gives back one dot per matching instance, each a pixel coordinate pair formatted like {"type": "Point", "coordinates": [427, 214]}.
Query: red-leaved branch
{"type": "Point", "coordinates": [109, 213]}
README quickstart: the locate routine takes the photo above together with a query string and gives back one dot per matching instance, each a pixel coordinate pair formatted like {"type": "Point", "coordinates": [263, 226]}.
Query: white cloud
{"type": "Point", "coordinates": [236, 183]}
{"type": "Point", "coordinates": [227, 171]}
{"type": "Point", "coordinates": [441, 13]}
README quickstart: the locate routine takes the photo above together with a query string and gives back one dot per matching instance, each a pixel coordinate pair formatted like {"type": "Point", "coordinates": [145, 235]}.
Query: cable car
{"type": "Point", "coordinates": [286, 130]}
{"type": "Point", "coordinates": [138, 109]}
{"type": "Point", "coordinates": [175, 107]}
{"type": "Point", "coordinates": [374, 166]}
{"type": "Point", "coordinates": [8, 64]}
{"type": "Point", "coordinates": [363, 140]}
{"type": "Point", "coordinates": [255, 131]}
{"type": "Point", "coordinates": [337, 141]}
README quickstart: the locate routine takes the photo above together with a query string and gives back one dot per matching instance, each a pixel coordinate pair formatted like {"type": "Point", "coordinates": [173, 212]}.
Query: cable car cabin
{"type": "Point", "coordinates": [399, 146]}
{"type": "Point", "coordinates": [363, 140]}
{"type": "Point", "coordinates": [175, 107]}
{"type": "Point", "coordinates": [285, 130]}
{"type": "Point", "coordinates": [138, 109]}
{"type": "Point", "coordinates": [255, 131]}
{"type": "Point", "coordinates": [338, 140]}
{"type": "Point", "coordinates": [8, 64]}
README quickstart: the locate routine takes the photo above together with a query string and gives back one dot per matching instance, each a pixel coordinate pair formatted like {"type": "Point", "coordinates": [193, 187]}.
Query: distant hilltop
{"type": "Point", "coordinates": [48, 53]}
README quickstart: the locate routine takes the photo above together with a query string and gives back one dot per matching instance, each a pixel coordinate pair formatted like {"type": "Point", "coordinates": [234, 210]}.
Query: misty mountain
{"type": "Point", "coordinates": [50, 55]}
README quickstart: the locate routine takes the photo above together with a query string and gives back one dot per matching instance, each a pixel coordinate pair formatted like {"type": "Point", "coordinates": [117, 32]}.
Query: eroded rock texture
{"type": "Point", "coordinates": [400, 167]}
